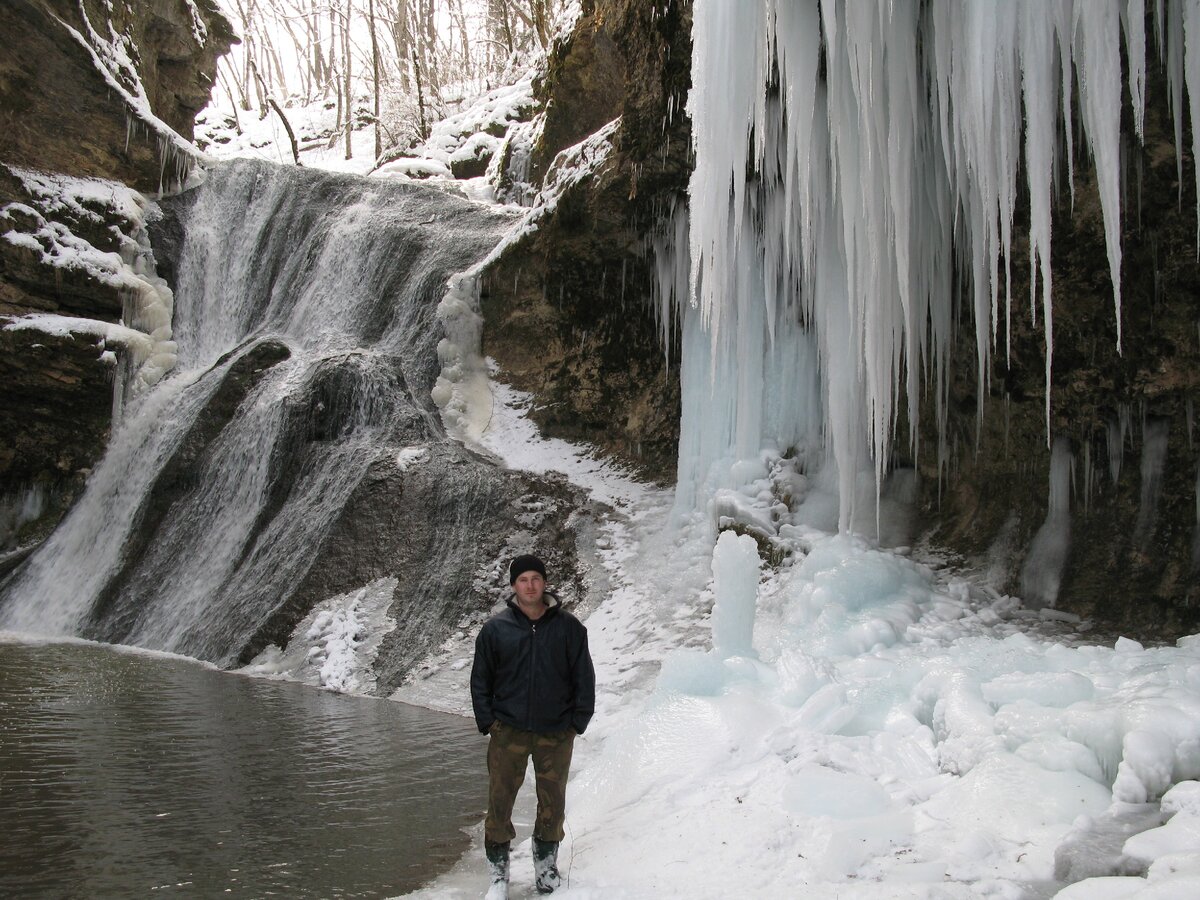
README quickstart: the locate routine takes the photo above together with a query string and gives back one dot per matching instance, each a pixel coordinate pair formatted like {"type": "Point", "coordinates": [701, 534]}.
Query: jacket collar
{"type": "Point", "coordinates": [549, 598]}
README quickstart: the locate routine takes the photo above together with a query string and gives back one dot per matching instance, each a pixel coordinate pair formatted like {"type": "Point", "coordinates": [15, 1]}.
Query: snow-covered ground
{"type": "Point", "coordinates": [890, 730]}
{"type": "Point", "coordinates": [476, 134]}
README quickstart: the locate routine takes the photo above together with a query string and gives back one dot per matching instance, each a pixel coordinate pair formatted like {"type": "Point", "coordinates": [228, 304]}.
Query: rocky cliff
{"type": "Point", "coordinates": [103, 96]}
{"type": "Point", "coordinates": [109, 90]}
{"type": "Point", "coordinates": [570, 312]}
{"type": "Point", "coordinates": [1121, 418]}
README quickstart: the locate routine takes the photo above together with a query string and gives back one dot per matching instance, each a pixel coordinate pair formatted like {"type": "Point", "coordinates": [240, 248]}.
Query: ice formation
{"type": "Point", "coordinates": [850, 157]}
{"type": "Point", "coordinates": [336, 643]}
{"type": "Point", "coordinates": [735, 582]}
{"type": "Point", "coordinates": [462, 392]}
{"type": "Point", "coordinates": [145, 330]}
{"type": "Point", "coordinates": [1041, 574]}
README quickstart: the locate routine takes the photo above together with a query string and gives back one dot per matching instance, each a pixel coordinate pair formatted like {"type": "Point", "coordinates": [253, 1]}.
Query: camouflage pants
{"type": "Point", "coordinates": [508, 754]}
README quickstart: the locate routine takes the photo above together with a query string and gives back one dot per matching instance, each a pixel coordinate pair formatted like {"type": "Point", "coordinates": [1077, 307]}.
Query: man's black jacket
{"type": "Point", "coordinates": [535, 676]}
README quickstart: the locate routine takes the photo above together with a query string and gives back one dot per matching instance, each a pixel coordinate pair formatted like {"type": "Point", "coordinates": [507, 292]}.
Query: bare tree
{"type": "Point", "coordinates": [348, 90]}
{"type": "Point", "coordinates": [287, 126]}
{"type": "Point", "coordinates": [500, 26]}
{"type": "Point", "coordinates": [375, 79]}
{"type": "Point", "coordinates": [305, 50]}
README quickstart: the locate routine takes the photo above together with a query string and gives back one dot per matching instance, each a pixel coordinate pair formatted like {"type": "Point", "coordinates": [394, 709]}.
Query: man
{"type": "Point", "coordinates": [533, 689]}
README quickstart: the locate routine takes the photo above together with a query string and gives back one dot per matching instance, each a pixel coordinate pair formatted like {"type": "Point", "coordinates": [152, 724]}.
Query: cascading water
{"type": "Point", "coordinates": [305, 321]}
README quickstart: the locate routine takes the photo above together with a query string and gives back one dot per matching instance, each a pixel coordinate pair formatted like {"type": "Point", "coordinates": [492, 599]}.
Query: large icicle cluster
{"type": "Point", "coordinates": [857, 161]}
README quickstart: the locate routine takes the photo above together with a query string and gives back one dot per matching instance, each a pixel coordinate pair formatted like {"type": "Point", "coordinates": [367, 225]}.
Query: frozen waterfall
{"type": "Point", "coordinates": [858, 164]}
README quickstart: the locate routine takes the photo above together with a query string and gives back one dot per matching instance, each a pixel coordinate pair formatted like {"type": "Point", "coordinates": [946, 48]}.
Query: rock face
{"type": "Point", "coordinates": [56, 389]}
{"type": "Point", "coordinates": [300, 460]}
{"type": "Point", "coordinates": [90, 88]}
{"type": "Point", "coordinates": [570, 312]}
{"type": "Point", "coordinates": [70, 104]}
{"type": "Point", "coordinates": [571, 315]}
{"type": "Point", "coordinates": [445, 529]}
{"type": "Point", "coordinates": [1125, 417]}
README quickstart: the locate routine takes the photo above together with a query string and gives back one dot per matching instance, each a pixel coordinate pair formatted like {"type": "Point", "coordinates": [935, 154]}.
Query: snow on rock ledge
{"type": "Point", "coordinates": [59, 229]}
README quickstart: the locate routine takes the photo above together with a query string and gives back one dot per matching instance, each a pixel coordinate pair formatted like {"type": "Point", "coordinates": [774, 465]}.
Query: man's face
{"type": "Point", "coordinates": [529, 587]}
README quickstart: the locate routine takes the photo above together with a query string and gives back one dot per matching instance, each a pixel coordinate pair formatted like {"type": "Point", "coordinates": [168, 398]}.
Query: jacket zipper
{"type": "Point", "coordinates": [532, 666]}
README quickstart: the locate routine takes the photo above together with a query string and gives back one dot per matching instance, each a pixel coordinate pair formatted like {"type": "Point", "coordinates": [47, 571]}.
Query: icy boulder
{"type": "Point", "coordinates": [1181, 833]}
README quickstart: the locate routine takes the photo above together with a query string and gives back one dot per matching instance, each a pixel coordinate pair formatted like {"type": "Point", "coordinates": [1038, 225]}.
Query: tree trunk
{"type": "Point", "coordinates": [236, 102]}
{"type": "Point", "coordinates": [402, 42]}
{"type": "Point", "coordinates": [287, 126]}
{"type": "Point", "coordinates": [316, 62]}
{"type": "Point", "coordinates": [346, 66]}
{"type": "Point", "coordinates": [420, 96]}
{"type": "Point", "coordinates": [334, 72]}
{"type": "Point", "coordinates": [426, 32]}
{"type": "Point", "coordinates": [456, 9]}
{"type": "Point", "coordinates": [541, 21]}
{"type": "Point", "coordinates": [501, 23]}
{"type": "Point", "coordinates": [375, 75]}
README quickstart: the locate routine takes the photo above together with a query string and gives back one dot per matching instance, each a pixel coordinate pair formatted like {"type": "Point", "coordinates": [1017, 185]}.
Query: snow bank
{"type": "Point", "coordinates": [472, 137]}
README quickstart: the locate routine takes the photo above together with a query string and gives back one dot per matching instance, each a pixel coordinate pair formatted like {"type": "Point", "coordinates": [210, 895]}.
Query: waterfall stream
{"type": "Point", "coordinates": [305, 321]}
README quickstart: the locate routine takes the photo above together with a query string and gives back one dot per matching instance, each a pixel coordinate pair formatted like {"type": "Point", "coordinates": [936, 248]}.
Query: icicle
{"type": "Point", "coordinates": [1037, 70]}
{"type": "Point", "coordinates": [1170, 25]}
{"type": "Point", "coordinates": [1098, 53]}
{"type": "Point", "coordinates": [834, 210]}
{"type": "Point", "coordinates": [1133, 18]}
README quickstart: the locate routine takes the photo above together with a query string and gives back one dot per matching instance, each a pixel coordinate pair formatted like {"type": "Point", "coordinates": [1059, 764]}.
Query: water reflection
{"type": "Point", "coordinates": [125, 775]}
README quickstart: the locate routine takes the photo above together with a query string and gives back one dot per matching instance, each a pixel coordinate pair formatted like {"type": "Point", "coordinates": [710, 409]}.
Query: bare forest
{"type": "Point", "coordinates": [397, 64]}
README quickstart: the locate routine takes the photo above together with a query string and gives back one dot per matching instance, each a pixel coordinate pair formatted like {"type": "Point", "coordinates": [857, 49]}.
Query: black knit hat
{"type": "Point", "coordinates": [525, 563]}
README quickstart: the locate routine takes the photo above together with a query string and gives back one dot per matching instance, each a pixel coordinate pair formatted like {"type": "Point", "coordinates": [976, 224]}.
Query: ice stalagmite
{"type": "Point", "coordinates": [1041, 574]}
{"type": "Point", "coordinates": [858, 168]}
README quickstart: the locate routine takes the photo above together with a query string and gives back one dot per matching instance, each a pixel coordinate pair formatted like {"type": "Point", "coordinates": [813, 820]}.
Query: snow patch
{"type": "Point", "coordinates": [336, 644]}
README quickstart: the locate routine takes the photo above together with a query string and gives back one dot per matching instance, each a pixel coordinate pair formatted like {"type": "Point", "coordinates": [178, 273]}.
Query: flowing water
{"type": "Point", "coordinates": [131, 775]}
{"type": "Point", "coordinates": [307, 346]}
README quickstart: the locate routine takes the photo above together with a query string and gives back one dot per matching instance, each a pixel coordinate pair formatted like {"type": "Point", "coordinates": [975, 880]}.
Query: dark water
{"type": "Point", "coordinates": [126, 775]}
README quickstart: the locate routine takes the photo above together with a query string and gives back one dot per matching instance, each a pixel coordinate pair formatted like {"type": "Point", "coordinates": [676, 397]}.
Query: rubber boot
{"type": "Point", "coordinates": [497, 857]}
{"type": "Point", "coordinates": [545, 866]}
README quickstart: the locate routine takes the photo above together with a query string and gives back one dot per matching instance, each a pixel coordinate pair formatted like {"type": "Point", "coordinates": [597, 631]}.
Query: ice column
{"type": "Point", "coordinates": [735, 577]}
{"type": "Point", "coordinates": [1041, 575]}
{"type": "Point", "coordinates": [1154, 459]}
